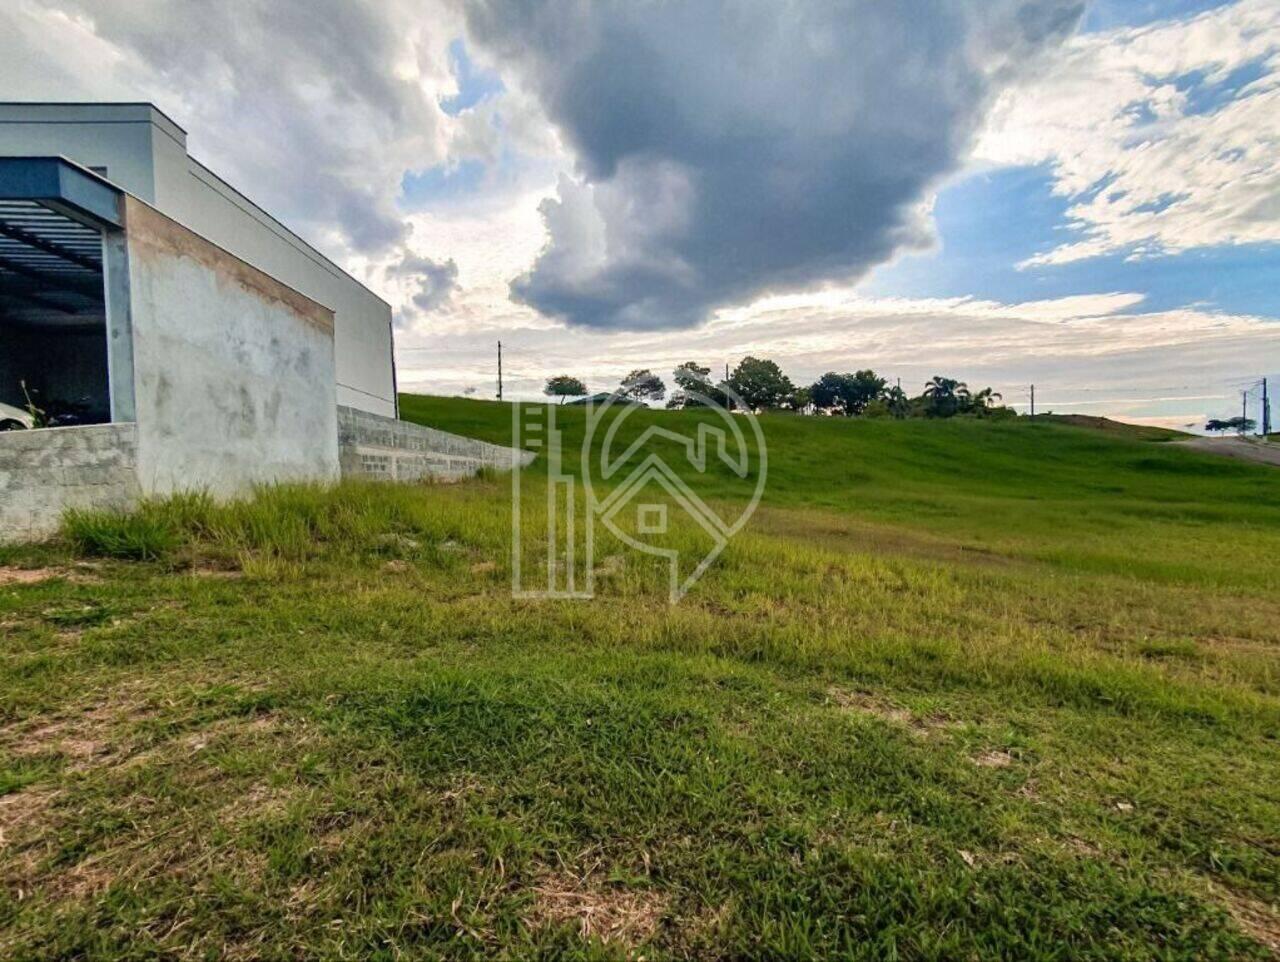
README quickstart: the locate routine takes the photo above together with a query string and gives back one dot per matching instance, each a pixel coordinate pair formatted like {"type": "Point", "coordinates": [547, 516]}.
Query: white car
{"type": "Point", "coordinates": [15, 419]}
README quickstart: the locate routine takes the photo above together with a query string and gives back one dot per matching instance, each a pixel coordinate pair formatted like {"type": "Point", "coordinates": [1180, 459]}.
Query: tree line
{"type": "Point", "coordinates": [762, 386]}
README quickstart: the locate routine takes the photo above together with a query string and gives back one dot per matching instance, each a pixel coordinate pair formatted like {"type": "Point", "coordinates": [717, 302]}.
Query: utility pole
{"type": "Point", "coordinates": [499, 370]}
{"type": "Point", "coordinates": [1033, 402]}
{"type": "Point", "coordinates": [1266, 411]}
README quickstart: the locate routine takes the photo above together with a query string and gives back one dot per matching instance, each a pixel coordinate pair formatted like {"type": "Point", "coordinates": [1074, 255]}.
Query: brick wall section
{"type": "Point", "coordinates": [42, 473]}
{"type": "Point", "coordinates": [371, 446]}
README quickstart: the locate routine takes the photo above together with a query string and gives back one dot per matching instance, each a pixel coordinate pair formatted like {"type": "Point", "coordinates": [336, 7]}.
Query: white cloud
{"type": "Point", "coordinates": [1140, 132]}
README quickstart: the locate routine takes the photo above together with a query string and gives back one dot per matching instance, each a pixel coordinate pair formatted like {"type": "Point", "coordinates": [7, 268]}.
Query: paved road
{"type": "Point", "coordinates": [1266, 452]}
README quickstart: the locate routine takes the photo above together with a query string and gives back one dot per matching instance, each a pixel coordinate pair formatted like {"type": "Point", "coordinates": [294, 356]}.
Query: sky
{"type": "Point", "coordinates": [1084, 196]}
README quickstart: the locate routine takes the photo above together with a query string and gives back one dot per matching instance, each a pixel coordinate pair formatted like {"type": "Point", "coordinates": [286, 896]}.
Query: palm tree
{"type": "Point", "coordinates": [896, 400]}
{"type": "Point", "coordinates": [945, 395]}
{"type": "Point", "coordinates": [985, 399]}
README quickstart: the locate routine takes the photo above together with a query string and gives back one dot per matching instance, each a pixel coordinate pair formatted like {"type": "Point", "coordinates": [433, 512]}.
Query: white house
{"type": "Point", "coordinates": [196, 342]}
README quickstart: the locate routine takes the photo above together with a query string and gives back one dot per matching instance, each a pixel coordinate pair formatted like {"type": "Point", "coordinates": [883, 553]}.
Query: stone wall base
{"type": "Point", "coordinates": [372, 446]}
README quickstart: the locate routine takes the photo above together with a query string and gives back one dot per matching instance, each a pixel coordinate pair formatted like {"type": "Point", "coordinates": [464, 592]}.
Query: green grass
{"type": "Point", "coordinates": [960, 690]}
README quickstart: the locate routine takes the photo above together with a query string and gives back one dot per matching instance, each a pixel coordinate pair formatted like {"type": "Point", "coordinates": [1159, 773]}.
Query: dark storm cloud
{"type": "Point", "coordinates": [726, 149]}
{"type": "Point", "coordinates": [433, 282]}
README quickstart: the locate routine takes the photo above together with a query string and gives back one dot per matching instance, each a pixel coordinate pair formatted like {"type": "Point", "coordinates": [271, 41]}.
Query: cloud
{"type": "Point", "coordinates": [725, 151]}
{"type": "Point", "coordinates": [1166, 137]}
{"type": "Point", "coordinates": [314, 107]}
{"type": "Point", "coordinates": [1085, 353]}
{"type": "Point", "coordinates": [432, 283]}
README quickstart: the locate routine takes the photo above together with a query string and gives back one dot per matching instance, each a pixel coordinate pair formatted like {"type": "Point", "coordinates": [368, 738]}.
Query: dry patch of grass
{"type": "Point", "coordinates": [598, 909]}
{"type": "Point", "coordinates": [993, 759]}
{"type": "Point", "coordinates": [1259, 919]}
{"type": "Point", "coordinates": [875, 706]}
{"type": "Point", "coordinates": [112, 771]}
{"type": "Point", "coordinates": [83, 735]}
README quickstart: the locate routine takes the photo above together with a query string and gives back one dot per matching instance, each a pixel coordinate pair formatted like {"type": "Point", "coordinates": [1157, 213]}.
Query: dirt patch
{"type": "Point", "coordinates": [28, 576]}
{"type": "Point", "coordinates": [257, 801]}
{"type": "Point", "coordinates": [82, 573]}
{"type": "Point", "coordinates": [866, 703]}
{"type": "Point", "coordinates": [20, 812]}
{"type": "Point", "coordinates": [1259, 920]}
{"type": "Point", "coordinates": [1243, 449]}
{"type": "Point", "coordinates": [84, 738]}
{"type": "Point", "coordinates": [993, 759]}
{"type": "Point", "coordinates": [600, 910]}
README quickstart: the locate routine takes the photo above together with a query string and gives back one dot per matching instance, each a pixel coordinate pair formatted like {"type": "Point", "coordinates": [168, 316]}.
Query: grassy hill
{"type": "Point", "coordinates": [960, 690]}
{"type": "Point", "coordinates": [1138, 432]}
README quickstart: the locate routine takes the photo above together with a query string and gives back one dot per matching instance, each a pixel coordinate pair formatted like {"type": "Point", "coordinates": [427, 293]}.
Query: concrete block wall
{"type": "Point", "coordinates": [45, 472]}
{"type": "Point", "coordinates": [371, 446]}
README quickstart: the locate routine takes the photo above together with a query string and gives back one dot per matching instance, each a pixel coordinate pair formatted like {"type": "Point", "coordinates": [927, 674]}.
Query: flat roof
{"type": "Point", "coordinates": [89, 112]}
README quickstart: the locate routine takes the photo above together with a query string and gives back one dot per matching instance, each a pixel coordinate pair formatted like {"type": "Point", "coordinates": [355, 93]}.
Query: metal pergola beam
{"type": "Point", "coordinates": [31, 240]}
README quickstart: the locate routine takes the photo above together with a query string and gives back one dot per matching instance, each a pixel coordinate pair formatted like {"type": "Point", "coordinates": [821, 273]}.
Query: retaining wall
{"type": "Point", "coordinates": [371, 446]}
{"type": "Point", "coordinates": [44, 472]}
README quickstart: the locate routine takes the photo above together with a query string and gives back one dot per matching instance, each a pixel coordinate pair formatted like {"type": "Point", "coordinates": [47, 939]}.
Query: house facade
{"type": "Point", "coordinates": [173, 336]}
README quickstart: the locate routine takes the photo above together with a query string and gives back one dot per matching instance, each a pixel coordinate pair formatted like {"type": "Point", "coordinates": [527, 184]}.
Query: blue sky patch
{"type": "Point", "coordinates": [990, 221]}
{"type": "Point", "coordinates": [1111, 14]}
{"type": "Point", "coordinates": [444, 182]}
{"type": "Point", "coordinates": [474, 85]}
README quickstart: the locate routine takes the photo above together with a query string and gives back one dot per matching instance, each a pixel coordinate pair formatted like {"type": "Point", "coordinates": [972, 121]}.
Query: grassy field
{"type": "Point", "coordinates": [960, 690]}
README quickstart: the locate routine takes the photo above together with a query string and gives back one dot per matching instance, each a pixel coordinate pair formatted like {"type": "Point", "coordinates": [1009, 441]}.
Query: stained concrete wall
{"type": "Point", "coordinates": [145, 152]}
{"type": "Point", "coordinates": [362, 320]}
{"type": "Point", "coordinates": [42, 473]}
{"type": "Point", "coordinates": [233, 371]}
{"type": "Point", "coordinates": [388, 450]}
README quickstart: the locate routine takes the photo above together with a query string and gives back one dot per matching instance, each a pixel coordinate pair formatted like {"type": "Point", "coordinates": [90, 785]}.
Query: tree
{"type": "Point", "coordinates": [563, 386]}
{"type": "Point", "coordinates": [694, 387]}
{"type": "Point", "coordinates": [643, 385]}
{"type": "Point", "coordinates": [801, 399]}
{"type": "Point", "coordinates": [945, 397]}
{"type": "Point", "coordinates": [983, 401]}
{"type": "Point", "coordinates": [761, 384]}
{"type": "Point", "coordinates": [827, 392]}
{"type": "Point", "coordinates": [1217, 425]}
{"type": "Point", "coordinates": [896, 402]}
{"type": "Point", "coordinates": [847, 393]}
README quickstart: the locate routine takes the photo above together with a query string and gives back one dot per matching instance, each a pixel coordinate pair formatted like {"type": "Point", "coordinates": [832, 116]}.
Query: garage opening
{"type": "Point", "coordinates": [53, 319]}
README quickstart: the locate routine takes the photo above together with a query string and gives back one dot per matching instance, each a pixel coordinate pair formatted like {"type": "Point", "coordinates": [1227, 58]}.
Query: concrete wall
{"type": "Point", "coordinates": [387, 450]}
{"type": "Point", "coordinates": [362, 331]}
{"type": "Point", "coordinates": [146, 153]}
{"type": "Point", "coordinates": [42, 473]}
{"type": "Point", "coordinates": [233, 371]}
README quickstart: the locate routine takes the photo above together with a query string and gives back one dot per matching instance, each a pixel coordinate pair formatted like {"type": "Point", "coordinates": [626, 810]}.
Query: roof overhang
{"type": "Point", "coordinates": [53, 215]}
{"type": "Point", "coordinates": [61, 185]}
